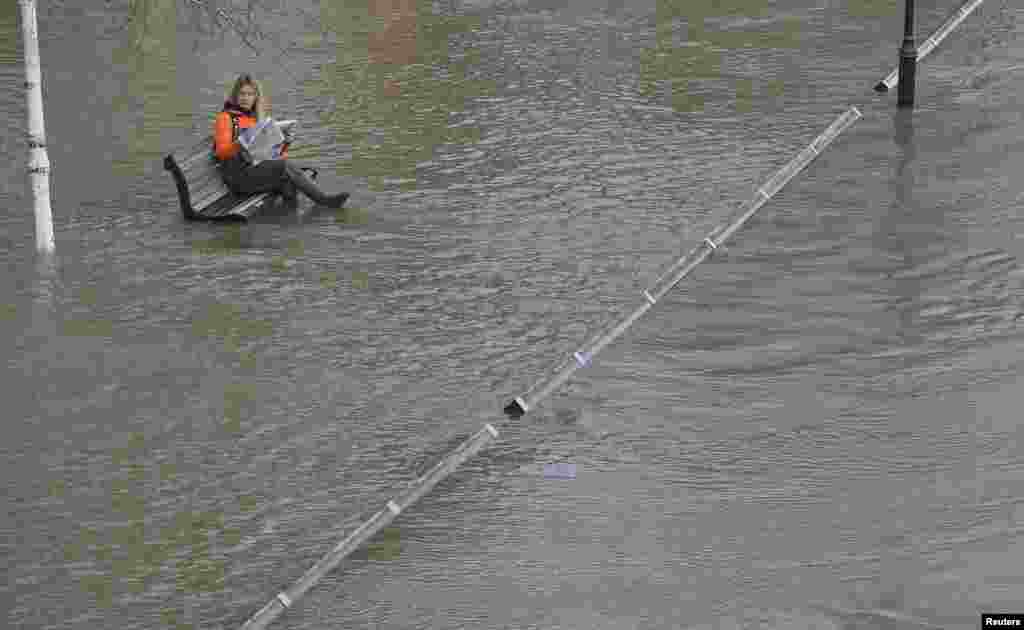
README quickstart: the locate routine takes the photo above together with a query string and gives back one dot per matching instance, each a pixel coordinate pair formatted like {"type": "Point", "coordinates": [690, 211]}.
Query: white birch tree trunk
{"type": "Point", "coordinates": [38, 162]}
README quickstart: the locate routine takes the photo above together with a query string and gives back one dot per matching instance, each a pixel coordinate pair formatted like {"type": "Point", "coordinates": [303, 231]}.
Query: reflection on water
{"type": "Point", "coordinates": [389, 103]}
{"type": "Point", "coordinates": [152, 99]}
{"type": "Point", "coordinates": [702, 55]}
{"type": "Point", "coordinates": [899, 236]}
{"type": "Point", "coordinates": [10, 35]}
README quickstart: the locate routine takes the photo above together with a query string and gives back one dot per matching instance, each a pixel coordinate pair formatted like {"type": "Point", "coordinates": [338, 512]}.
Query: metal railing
{"type": "Point", "coordinates": [392, 508]}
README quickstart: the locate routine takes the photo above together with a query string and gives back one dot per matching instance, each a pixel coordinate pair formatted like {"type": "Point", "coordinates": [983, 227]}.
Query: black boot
{"type": "Point", "coordinates": [311, 190]}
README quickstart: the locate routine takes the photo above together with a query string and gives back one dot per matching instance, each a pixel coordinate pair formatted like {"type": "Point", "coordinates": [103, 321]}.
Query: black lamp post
{"type": "Point", "coordinates": [908, 59]}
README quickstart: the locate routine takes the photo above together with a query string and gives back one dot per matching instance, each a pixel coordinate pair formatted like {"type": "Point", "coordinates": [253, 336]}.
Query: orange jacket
{"type": "Point", "coordinates": [225, 145]}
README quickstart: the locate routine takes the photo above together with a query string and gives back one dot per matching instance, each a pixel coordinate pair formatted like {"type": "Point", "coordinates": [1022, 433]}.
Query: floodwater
{"type": "Point", "coordinates": [819, 428]}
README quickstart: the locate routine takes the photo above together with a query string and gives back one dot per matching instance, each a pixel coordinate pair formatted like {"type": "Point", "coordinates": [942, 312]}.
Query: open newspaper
{"type": "Point", "coordinates": [265, 140]}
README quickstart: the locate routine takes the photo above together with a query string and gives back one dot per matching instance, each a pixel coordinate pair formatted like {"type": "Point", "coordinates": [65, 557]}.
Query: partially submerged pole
{"type": "Point", "coordinates": [933, 40]}
{"type": "Point", "coordinates": [560, 373]}
{"type": "Point", "coordinates": [908, 58]}
{"type": "Point", "coordinates": [38, 162]}
{"type": "Point", "coordinates": [283, 600]}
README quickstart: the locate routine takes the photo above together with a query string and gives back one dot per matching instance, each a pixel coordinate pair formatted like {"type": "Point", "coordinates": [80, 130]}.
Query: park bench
{"type": "Point", "coordinates": [201, 190]}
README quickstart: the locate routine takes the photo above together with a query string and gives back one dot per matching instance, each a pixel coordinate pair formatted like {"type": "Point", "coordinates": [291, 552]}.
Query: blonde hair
{"type": "Point", "coordinates": [261, 106]}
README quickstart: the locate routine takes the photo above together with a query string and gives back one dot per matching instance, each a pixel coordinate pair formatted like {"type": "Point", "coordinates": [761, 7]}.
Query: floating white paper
{"type": "Point", "coordinates": [264, 141]}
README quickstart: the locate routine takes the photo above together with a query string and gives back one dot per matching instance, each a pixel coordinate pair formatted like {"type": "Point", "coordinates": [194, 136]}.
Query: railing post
{"type": "Point", "coordinates": [908, 59]}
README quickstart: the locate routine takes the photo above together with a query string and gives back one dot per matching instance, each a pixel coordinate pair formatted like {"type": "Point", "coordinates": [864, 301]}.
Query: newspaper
{"type": "Point", "coordinates": [265, 140]}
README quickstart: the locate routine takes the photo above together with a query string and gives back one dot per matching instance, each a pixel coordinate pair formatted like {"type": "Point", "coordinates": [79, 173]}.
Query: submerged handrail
{"type": "Point", "coordinates": [472, 445]}
{"type": "Point", "coordinates": [583, 357]}
{"type": "Point", "coordinates": [284, 600]}
{"type": "Point", "coordinates": [890, 81]}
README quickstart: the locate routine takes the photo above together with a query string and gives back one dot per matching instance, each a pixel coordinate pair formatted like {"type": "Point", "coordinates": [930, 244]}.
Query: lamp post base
{"type": "Point", "coordinates": [908, 69]}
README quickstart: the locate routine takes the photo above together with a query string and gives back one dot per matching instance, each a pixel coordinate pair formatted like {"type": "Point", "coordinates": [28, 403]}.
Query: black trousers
{"type": "Point", "coordinates": [268, 176]}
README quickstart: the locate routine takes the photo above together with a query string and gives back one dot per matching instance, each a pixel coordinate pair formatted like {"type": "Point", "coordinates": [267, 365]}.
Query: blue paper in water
{"type": "Point", "coordinates": [560, 471]}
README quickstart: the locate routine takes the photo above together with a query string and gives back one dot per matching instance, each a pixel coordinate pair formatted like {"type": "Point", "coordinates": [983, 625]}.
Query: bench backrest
{"type": "Point", "coordinates": [201, 189]}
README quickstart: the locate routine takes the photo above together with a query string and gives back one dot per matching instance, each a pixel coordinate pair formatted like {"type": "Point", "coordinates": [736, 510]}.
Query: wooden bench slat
{"type": "Point", "coordinates": [222, 207]}
{"type": "Point", "coordinates": [215, 202]}
{"type": "Point", "coordinates": [197, 176]}
{"type": "Point", "coordinates": [212, 201]}
{"type": "Point", "coordinates": [202, 193]}
{"type": "Point", "coordinates": [197, 156]}
{"type": "Point", "coordinates": [205, 187]}
{"type": "Point", "coordinates": [229, 207]}
{"type": "Point", "coordinates": [198, 186]}
{"type": "Point", "coordinates": [250, 207]}
{"type": "Point", "coordinates": [204, 204]}
{"type": "Point", "coordinates": [209, 196]}
{"type": "Point", "coordinates": [195, 161]}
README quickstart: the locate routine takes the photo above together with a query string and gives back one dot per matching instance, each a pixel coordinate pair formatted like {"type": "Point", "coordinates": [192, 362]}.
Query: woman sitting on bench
{"type": "Point", "coordinates": [243, 110]}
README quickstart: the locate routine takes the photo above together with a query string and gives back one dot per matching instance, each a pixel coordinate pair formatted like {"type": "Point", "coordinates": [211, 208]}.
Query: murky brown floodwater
{"type": "Point", "coordinates": [818, 429]}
